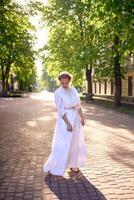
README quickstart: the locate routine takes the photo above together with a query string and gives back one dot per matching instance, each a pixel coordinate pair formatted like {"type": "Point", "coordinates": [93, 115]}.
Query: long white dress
{"type": "Point", "coordinates": [68, 148]}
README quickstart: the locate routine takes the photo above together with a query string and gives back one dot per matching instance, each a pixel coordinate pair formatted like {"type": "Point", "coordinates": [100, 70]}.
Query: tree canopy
{"type": "Point", "coordinates": [88, 33]}
{"type": "Point", "coordinates": [72, 46]}
{"type": "Point", "coordinates": [16, 42]}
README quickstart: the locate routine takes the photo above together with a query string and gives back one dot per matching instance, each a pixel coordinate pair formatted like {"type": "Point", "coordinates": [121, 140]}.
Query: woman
{"type": "Point", "coordinates": [68, 146]}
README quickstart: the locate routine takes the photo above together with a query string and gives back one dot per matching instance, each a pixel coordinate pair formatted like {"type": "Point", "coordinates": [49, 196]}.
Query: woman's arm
{"type": "Point", "coordinates": [61, 111]}
{"type": "Point", "coordinates": [81, 116]}
{"type": "Point", "coordinates": [69, 126]}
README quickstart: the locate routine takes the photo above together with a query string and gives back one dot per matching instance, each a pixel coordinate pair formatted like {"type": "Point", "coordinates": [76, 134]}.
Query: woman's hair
{"type": "Point", "coordinates": [65, 75]}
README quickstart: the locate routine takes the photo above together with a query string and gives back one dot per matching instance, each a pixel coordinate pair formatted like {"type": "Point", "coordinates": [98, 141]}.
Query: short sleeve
{"type": "Point", "coordinates": [59, 105]}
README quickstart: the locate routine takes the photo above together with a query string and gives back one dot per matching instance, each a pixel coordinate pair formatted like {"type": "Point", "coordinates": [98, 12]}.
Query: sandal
{"type": "Point", "coordinates": [74, 170]}
{"type": "Point", "coordinates": [57, 177]}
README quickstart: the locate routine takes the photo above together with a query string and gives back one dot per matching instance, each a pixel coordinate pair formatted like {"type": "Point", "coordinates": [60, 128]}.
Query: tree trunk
{"type": "Point", "coordinates": [117, 73]}
{"type": "Point", "coordinates": [7, 85]}
{"type": "Point", "coordinates": [89, 83]}
{"type": "Point", "coordinates": [12, 82]}
{"type": "Point", "coordinates": [3, 93]}
{"type": "Point", "coordinates": [5, 75]}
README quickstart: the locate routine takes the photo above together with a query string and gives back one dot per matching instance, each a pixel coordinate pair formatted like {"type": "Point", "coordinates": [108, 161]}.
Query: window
{"type": "Point", "coordinates": [95, 87]}
{"type": "Point", "coordinates": [130, 86]}
{"type": "Point", "coordinates": [105, 87]}
{"type": "Point", "coordinates": [112, 88]}
{"type": "Point", "coordinates": [99, 87]}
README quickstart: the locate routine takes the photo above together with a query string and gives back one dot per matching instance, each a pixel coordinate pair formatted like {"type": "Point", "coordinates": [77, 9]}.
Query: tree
{"type": "Point", "coordinates": [90, 34]}
{"type": "Point", "coordinates": [72, 45]}
{"type": "Point", "coordinates": [47, 82]}
{"type": "Point", "coordinates": [115, 28]}
{"type": "Point", "coordinates": [16, 42]}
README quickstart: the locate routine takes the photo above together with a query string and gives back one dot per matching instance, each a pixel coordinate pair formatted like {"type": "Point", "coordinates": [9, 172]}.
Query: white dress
{"type": "Point", "coordinates": [68, 148]}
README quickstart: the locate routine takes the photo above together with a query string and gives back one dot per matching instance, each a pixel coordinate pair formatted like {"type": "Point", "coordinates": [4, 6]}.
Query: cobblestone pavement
{"type": "Point", "coordinates": [26, 129]}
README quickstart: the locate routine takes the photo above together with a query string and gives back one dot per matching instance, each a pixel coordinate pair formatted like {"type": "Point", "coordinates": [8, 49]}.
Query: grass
{"type": "Point", "coordinates": [127, 109]}
{"type": "Point", "coordinates": [15, 94]}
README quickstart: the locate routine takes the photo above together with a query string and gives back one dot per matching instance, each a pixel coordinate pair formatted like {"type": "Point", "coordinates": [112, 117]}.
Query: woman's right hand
{"type": "Point", "coordinates": [69, 127]}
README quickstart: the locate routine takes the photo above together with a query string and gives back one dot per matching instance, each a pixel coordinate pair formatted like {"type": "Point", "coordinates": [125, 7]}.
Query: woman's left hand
{"type": "Point", "coordinates": [82, 122]}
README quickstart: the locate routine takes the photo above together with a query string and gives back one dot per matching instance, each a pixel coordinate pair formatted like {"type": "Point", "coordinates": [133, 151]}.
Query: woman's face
{"type": "Point", "coordinates": [64, 82]}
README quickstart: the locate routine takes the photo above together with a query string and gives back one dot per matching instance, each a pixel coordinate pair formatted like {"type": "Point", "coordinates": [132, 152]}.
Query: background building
{"type": "Point", "coordinates": [105, 88]}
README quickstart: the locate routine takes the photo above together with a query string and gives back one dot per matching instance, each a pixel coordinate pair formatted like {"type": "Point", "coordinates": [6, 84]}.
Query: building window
{"type": "Point", "coordinates": [132, 59]}
{"type": "Point", "coordinates": [99, 87]}
{"type": "Point", "coordinates": [95, 87]}
{"type": "Point", "coordinates": [105, 87]}
{"type": "Point", "coordinates": [112, 88]}
{"type": "Point", "coordinates": [130, 86]}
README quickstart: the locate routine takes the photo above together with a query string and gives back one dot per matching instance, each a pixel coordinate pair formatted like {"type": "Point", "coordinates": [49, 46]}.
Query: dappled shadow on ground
{"type": "Point", "coordinates": [108, 117]}
{"type": "Point", "coordinates": [75, 186]}
{"type": "Point", "coordinates": [26, 131]}
{"type": "Point", "coordinates": [111, 133]}
{"type": "Point", "coordinates": [26, 127]}
{"type": "Point", "coordinates": [122, 155]}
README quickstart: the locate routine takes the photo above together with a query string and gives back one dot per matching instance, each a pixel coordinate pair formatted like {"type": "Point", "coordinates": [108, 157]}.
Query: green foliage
{"type": "Point", "coordinates": [15, 37]}
{"type": "Point", "coordinates": [82, 33]}
{"type": "Point", "coordinates": [89, 33]}
{"type": "Point", "coordinates": [114, 18]}
{"type": "Point", "coordinates": [71, 46]}
{"type": "Point", "coordinates": [16, 42]}
{"type": "Point", "coordinates": [47, 82]}
{"type": "Point", "coordinates": [116, 34]}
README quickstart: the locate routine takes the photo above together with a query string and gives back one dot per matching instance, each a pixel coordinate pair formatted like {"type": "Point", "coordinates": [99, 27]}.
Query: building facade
{"type": "Point", "coordinates": [106, 87]}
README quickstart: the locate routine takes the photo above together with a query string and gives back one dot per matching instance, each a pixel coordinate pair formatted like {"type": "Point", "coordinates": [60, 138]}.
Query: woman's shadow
{"type": "Point", "coordinates": [75, 187]}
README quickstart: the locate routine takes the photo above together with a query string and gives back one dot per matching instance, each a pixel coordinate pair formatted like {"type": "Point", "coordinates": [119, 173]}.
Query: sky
{"type": "Point", "coordinates": [41, 34]}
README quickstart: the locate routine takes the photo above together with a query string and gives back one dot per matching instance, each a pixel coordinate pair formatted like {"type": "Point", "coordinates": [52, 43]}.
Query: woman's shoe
{"type": "Point", "coordinates": [75, 170]}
